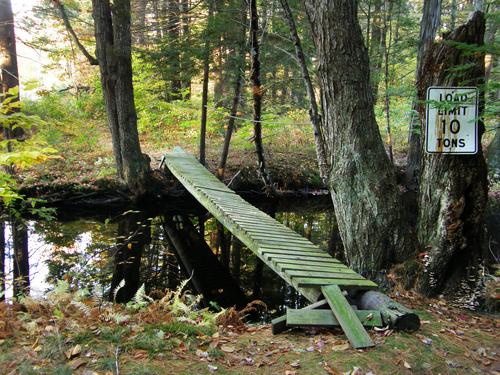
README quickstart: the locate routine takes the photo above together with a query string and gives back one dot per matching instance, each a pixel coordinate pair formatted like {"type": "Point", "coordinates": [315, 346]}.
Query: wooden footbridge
{"type": "Point", "coordinates": [313, 272]}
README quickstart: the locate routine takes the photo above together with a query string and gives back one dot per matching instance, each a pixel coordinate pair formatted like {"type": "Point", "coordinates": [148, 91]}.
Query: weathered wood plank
{"type": "Point", "coordinates": [279, 324]}
{"type": "Point", "coordinates": [346, 317]}
{"type": "Point", "coordinates": [302, 257]}
{"type": "Point", "coordinates": [326, 318]}
{"type": "Point", "coordinates": [345, 283]}
{"type": "Point", "coordinates": [324, 275]}
{"type": "Point", "coordinates": [312, 267]}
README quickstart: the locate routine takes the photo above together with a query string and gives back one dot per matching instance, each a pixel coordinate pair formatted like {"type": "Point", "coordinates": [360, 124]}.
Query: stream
{"type": "Point", "coordinates": [160, 250]}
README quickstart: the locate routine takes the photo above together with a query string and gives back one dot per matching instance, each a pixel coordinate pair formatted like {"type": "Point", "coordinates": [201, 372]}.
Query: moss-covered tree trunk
{"type": "Point", "coordinates": [453, 188]}
{"type": "Point", "coordinates": [362, 180]}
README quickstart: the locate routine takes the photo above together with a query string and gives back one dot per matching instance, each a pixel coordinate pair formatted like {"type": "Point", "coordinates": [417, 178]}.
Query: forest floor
{"type": "Point", "coordinates": [62, 336]}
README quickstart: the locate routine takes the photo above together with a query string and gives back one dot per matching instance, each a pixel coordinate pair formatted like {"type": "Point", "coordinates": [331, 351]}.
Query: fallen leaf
{"type": "Point", "coordinates": [407, 365]}
{"type": "Point", "coordinates": [295, 364]}
{"type": "Point", "coordinates": [340, 347]}
{"type": "Point", "coordinates": [73, 352]}
{"type": "Point", "coordinates": [77, 363]}
{"type": "Point", "coordinates": [288, 372]}
{"type": "Point", "coordinates": [227, 348]}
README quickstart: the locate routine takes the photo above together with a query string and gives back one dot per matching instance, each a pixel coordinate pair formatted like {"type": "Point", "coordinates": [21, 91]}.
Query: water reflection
{"type": "Point", "coordinates": [133, 248]}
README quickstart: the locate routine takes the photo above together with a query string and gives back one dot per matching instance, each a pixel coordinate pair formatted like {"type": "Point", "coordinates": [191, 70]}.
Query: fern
{"type": "Point", "coordinates": [84, 309]}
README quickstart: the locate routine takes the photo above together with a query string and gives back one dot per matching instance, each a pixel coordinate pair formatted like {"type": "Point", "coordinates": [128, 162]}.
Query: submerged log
{"type": "Point", "coordinates": [395, 315]}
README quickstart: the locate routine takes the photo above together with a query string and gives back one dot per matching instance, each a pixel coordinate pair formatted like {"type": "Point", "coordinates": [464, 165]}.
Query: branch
{"type": "Point", "coordinates": [92, 60]}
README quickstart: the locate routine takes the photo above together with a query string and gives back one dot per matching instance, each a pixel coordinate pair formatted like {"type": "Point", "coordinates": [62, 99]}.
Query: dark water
{"type": "Point", "coordinates": [162, 249]}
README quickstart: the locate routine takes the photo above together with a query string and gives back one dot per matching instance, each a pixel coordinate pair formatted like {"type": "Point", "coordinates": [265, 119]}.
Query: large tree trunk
{"type": "Point", "coordinates": [9, 74]}
{"type": "Point", "coordinates": [453, 188]}
{"type": "Point", "coordinates": [429, 26]}
{"type": "Point", "coordinates": [21, 263]}
{"type": "Point", "coordinates": [113, 47]}
{"type": "Point", "coordinates": [362, 182]}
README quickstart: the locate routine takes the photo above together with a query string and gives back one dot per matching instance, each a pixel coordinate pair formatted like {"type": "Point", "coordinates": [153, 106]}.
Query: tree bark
{"type": "Point", "coordinates": [257, 96]}
{"type": "Point", "coordinates": [429, 26]}
{"type": "Point", "coordinates": [174, 33]}
{"type": "Point", "coordinates": [204, 94]}
{"type": "Point", "coordinates": [314, 114]}
{"type": "Point", "coordinates": [238, 83]}
{"type": "Point", "coordinates": [376, 47]}
{"type": "Point", "coordinates": [21, 264]}
{"type": "Point", "coordinates": [139, 21]}
{"type": "Point", "coordinates": [453, 188]}
{"type": "Point", "coordinates": [362, 182]}
{"type": "Point", "coordinates": [113, 47]}
{"type": "Point", "coordinates": [9, 73]}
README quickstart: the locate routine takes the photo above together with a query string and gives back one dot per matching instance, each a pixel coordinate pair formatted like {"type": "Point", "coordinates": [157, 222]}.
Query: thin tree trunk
{"type": "Point", "coordinates": [113, 47]}
{"type": "Point", "coordinates": [376, 47]}
{"type": "Point", "coordinates": [362, 181]}
{"type": "Point", "coordinates": [185, 62]}
{"type": "Point", "coordinates": [67, 24]}
{"type": "Point", "coordinates": [257, 97]}
{"type": "Point", "coordinates": [429, 26]}
{"type": "Point", "coordinates": [174, 33]}
{"type": "Point", "coordinates": [453, 17]}
{"type": "Point", "coordinates": [9, 73]}
{"type": "Point", "coordinates": [453, 188]}
{"type": "Point", "coordinates": [204, 95]}
{"type": "Point", "coordinates": [21, 263]}
{"type": "Point", "coordinates": [240, 71]}
{"type": "Point", "coordinates": [314, 114]}
{"type": "Point", "coordinates": [139, 16]}
{"type": "Point", "coordinates": [387, 50]}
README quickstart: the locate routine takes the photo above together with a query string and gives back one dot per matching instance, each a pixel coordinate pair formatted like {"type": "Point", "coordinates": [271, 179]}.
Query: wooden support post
{"type": "Point", "coordinates": [347, 318]}
{"type": "Point", "coordinates": [394, 314]}
{"type": "Point", "coordinates": [279, 324]}
{"type": "Point", "coordinates": [326, 318]}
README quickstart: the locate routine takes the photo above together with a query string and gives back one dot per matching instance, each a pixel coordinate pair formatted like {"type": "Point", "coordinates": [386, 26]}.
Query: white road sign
{"type": "Point", "coordinates": [451, 120]}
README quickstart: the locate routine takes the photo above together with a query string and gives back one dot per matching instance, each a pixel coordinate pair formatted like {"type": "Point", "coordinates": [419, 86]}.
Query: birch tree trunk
{"type": "Point", "coordinates": [362, 181]}
{"type": "Point", "coordinates": [453, 188]}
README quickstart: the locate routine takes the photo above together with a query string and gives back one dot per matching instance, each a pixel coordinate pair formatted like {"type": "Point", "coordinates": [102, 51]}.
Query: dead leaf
{"type": "Point", "coordinates": [227, 348]}
{"type": "Point", "coordinates": [73, 352]}
{"type": "Point", "coordinates": [288, 372]}
{"type": "Point", "coordinates": [77, 363]}
{"type": "Point", "coordinates": [340, 347]}
{"type": "Point", "coordinates": [295, 364]}
{"type": "Point", "coordinates": [407, 365]}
